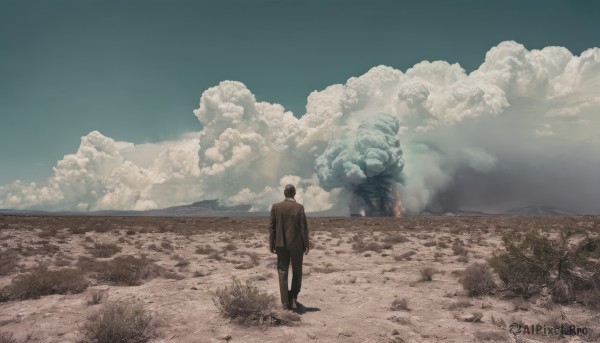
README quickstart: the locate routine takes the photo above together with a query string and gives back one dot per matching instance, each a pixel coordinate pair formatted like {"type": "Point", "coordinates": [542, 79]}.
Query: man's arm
{"type": "Point", "coordinates": [304, 230]}
{"type": "Point", "coordinates": [272, 223]}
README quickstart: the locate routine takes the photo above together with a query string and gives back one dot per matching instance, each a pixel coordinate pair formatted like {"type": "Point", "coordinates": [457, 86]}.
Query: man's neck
{"type": "Point", "coordinates": [290, 199]}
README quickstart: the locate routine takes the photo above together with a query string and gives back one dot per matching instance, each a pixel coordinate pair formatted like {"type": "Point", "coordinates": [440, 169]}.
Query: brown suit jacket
{"type": "Point", "coordinates": [288, 227]}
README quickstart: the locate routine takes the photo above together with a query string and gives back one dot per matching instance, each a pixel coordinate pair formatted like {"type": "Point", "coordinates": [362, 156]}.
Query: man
{"type": "Point", "coordinates": [288, 238]}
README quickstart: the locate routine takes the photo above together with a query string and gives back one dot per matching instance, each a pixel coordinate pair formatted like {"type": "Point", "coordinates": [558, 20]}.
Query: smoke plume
{"type": "Point", "coordinates": [368, 163]}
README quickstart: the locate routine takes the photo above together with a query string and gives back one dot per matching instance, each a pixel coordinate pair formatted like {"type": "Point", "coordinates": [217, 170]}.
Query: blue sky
{"type": "Point", "coordinates": [134, 70]}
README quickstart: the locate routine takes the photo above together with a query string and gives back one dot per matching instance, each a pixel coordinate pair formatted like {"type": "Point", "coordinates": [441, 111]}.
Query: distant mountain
{"type": "Point", "coordinates": [539, 211]}
{"type": "Point", "coordinates": [204, 208]}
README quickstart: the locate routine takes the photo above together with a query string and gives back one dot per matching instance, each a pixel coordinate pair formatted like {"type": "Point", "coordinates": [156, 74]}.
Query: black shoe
{"type": "Point", "coordinates": [293, 304]}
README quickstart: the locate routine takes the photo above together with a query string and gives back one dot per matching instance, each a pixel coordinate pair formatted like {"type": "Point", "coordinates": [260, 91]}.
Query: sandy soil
{"type": "Point", "coordinates": [348, 294]}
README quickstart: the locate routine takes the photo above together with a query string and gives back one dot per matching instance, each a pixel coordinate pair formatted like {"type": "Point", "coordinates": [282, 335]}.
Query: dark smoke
{"type": "Point", "coordinates": [368, 163]}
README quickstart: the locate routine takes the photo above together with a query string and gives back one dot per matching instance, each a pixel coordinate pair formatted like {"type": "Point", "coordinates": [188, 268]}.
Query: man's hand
{"type": "Point", "coordinates": [272, 250]}
{"type": "Point", "coordinates": [306, 251]}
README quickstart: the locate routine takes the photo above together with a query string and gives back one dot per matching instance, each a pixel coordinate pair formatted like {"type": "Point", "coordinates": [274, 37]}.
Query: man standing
{"type": "Point", "coordinates": [288, 237]}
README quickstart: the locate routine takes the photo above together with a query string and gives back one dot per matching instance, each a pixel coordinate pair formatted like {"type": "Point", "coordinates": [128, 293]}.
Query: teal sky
{"type": "Point", "coordinates": [134, 70]}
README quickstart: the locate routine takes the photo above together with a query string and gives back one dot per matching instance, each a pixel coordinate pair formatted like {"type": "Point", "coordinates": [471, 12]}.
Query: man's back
{"type": "Point", "coordinates": [288, 226]}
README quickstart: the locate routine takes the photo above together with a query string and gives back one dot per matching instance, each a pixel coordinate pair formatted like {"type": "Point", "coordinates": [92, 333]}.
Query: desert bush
{"type": "Point", "coordinates": [79, 230]}
{"type": "Point", "coordinates": [9, 260]}
{"type": "Point", "coordinates": [104, 249]}
{"type": "Point", "coordinates": [52, 232]}
{"type": "Point", "coordinates": [167, 245]}
{"type": "Point", "coordinates": [459, 305]}
{"type": "Point", "coordinates": [478, 279]}
{"type": "Point", "coordinates": [427, 273]}
{"type": "Point", "coordinates": [395, 238]}
{"type": "Point", "coordinates": [248, 305]}
{"type": "Point", "coordinates": [154, 247]}
{"type": "Point", "coordinates": [494, 336]}
{"type": "Point", "coordinates": [122, 270]}
{"type": "Point", "coordinates": [182, 264]}
{"type": "Point", "coordinates": [399, 305]}
{"type": "Point", "coordinates": [204, 250]}
{"type": "Point", "coordinates": [252, 262]}
{"type": "Point", "coordinates": [459, 250]}
{"type": "Point", "coordinates": [406, 256]}
{"type": "Point", "coordinates": [230, 247]}
{"type": "Point", "coordinates": [7, 337]}
{"type": "Point", "coordinates": [120, 322]}
{"type": "Point", "coordinates": [97, 296]}
{"type": "Point", "coordinates": [568, 266]}
{"type": "Point", "coordinates": [42, 281]}
{"type": "Point", "coordinates": [361, 246]}
{"type": "Point", "coordinates": [475, 317]}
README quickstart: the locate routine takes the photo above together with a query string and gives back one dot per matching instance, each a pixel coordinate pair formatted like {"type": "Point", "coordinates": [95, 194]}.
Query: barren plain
{"type": "Point", "coordinates": [365, 279]}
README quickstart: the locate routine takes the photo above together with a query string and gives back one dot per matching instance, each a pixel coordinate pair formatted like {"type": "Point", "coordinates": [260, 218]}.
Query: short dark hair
{"type": "Point", "coordinates": [289, 191]}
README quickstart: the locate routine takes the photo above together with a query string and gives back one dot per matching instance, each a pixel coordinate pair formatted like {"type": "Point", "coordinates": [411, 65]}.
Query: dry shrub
{"type": "Point", "coordinates": [230, 247]}
{"type": "Point", "coordinates": [406, 256]}
{"type": "Point", "coordinates": [498, 322]}
{"type": "Point", "coordinates": [167, 245]}
{"type": "Point", "coordinates": [495, 336]}
{"type": "Point", "coordinates": [154, 247]}
{"type": "Point", "coordinates": [478, 279]}
{"type": "Point", "coordinates": [361, 246]}
{"type": "Point", "coordinates": [427, 273]}
{"type": "Point", "coordinates": [42, 281]}
{"type": "Point", "coordinates": [122, 270]}
{"type": "Point", "coordinates": [52, 232]}
{"type": "Point", "coordinates": [9, 260]}
{"type": "Point", "coordinates": [399, 305]}
{"type": "Point", "coordinates": [460, 304]}
{"type": "Point", "coordinates": [395, 238]}
{"type": "Point", "coordinates": [182, 264]}
{"type": "Point", "coordinates": [252, 262]}
{"type": "Point", "coordinates": [7, 337]}
{"type": "Point", "coordinates": [248, 305]}
{"type": "Point", "coordinates": [120, 322]}
{"type": "Point", "coordinates": [475, 317]}
{"type": "Point", "coordinates": [205, 250]}
{"type": "Point", "coordinates": [97, 296]}
{"type": "Point", "coordinates": [459, 250]}
{"type": "Point", "coordinates": [568, 266]}
{"type": "Point", "coordinates": [79, 230]}
{"type": "Point", "coordinates": [104, 249]}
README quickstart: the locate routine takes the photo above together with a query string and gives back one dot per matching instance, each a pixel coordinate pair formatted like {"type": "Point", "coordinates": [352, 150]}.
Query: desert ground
{"type": "Point", "coordinates": [365, 279]}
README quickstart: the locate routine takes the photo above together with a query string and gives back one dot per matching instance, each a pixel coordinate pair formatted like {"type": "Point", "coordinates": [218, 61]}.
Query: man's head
{"type": "Point", "coordinates": [289, 191]}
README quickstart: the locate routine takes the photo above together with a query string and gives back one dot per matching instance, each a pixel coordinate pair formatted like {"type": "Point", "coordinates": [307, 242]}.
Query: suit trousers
{"type": "Point", "coordinates": [284, 256]}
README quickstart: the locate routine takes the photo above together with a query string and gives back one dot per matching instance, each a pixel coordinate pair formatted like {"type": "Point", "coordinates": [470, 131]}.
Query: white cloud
{"type": "Point", "coordinates": [524, 120]}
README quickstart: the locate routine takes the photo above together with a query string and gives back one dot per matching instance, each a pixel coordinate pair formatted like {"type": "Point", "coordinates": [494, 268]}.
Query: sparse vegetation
{"type": "Point", "coordinates": [568, 266]}
{"type": "Point", "coordinates": [399, 305]}
{"type": "Point", "coordinates": [406, 256]}
{"type": "Point", "coordinates": [205, 250]}
{"type": "Point", "coordinates": [361, 246]}
{"type": "Point", "coordinates": [7, 337]}
{"type": "Point", "coordinates": [97, 296]}
{"type": "Point", "coordinates": [122, 270]}
{"type": "Point", "coordinates": [42, 281]}
{"type": "Point", "coordinates": [478, 279]}
{"type": "Point", "coordinates": [120, 322]}
{"type": "Point", "coordinates": [427, 273]}
{"type": "Point", "coordinates": [248, 305]}
{"type": "Point", "coordinates": [494, 336]}
{"type": "Point", "coordinates": [460, 304]}
{"type": "Point", "coordinates": [9, 260]}
{"type": "Point", "coordinates": [104, 249]}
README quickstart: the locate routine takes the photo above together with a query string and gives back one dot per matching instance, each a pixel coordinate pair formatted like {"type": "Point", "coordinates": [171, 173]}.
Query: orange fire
{"type": "Point", "coordinates": [398, 209]}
